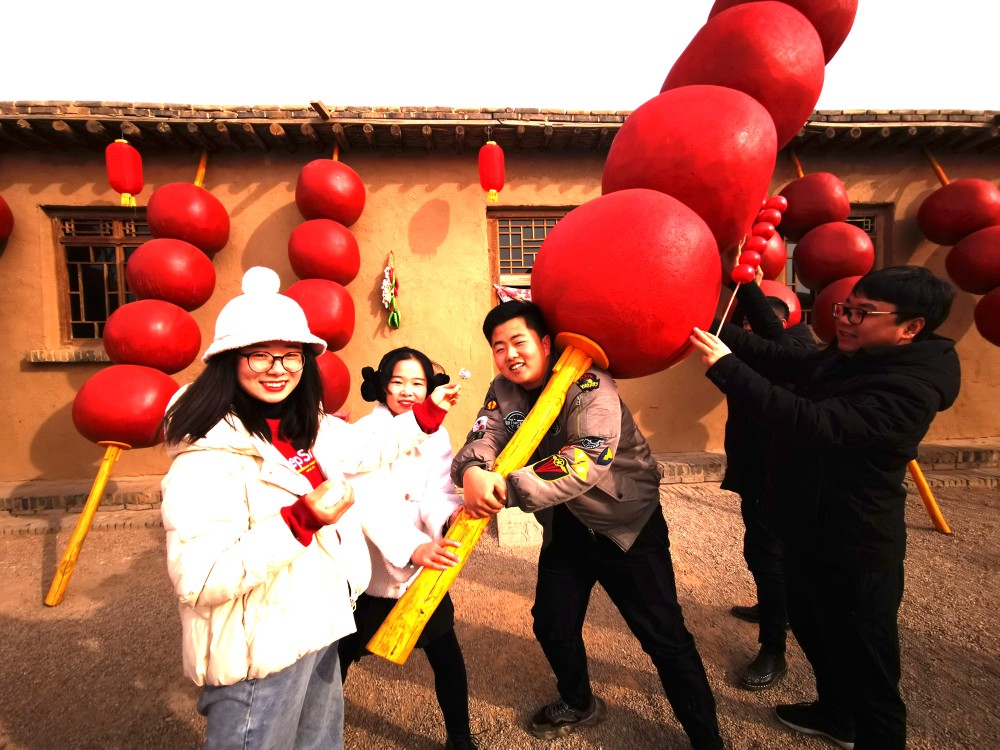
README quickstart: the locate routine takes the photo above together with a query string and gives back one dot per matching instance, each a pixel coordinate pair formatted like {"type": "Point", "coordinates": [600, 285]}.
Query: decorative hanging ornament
{"type": "Point", "coordinates": [124, 165]}
{"type": "Point", "coordinates": [390, 289]}
{"type": "Point", "coordinates": [491, 169]}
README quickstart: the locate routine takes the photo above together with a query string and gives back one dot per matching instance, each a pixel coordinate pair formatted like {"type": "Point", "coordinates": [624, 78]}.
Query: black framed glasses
{"type": "Point", "coordinates": [264, 361]}
{"type": "Point", "coordinates": [856, 315]}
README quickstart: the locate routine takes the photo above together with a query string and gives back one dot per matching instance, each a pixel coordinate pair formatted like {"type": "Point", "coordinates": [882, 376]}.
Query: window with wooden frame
{"type": "Point", "coordinates": [516, 235]}
{"type": "Point", "coordinates": [94, 246]}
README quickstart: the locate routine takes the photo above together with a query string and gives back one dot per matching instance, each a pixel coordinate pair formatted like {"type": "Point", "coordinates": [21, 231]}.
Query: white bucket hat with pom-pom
{"type": "Point", "coordinates": [261, 314]}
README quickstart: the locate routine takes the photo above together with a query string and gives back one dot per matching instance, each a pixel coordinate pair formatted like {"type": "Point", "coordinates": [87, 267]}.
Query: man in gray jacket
{"type": "Point", "coordinates": [594, 487]}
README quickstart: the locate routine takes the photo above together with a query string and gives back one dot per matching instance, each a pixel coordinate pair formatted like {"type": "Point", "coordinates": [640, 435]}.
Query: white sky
{"type": "Point", "coordinates": [560, 54]}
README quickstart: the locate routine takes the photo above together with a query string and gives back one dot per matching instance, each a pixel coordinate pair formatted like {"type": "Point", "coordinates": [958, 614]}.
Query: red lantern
{"type": "Point", "coordinates": [491, 169]}
{"type": "Point", "coordinates": [124, 165]}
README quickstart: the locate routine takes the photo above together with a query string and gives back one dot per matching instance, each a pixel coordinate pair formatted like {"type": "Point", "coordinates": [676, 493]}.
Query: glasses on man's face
{"type": "Point", "coordinates": [264, 361]}
{"type": "Point", "coordinates": [856, 315]}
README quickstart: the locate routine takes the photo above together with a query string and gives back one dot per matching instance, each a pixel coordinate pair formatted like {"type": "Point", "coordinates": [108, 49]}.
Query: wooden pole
{"type": "Point", "coordinates": [797, 164]}
{"type": "Point", "coordinates": [68, 561]}
{"type": "Point", "coordinates": [938, 171]}
{"type": "Point", "coordinates": [398, 634]}
{"type": "Point", "coordinates": [928, 497]}
{"type": "Point", "coordinates": [199, 176]}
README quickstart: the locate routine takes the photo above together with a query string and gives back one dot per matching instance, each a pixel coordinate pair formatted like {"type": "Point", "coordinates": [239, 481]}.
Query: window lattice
{"type": "Point", "coordinates": [519, 240]}
{"type": "Point", "coordinates": [96, 250]}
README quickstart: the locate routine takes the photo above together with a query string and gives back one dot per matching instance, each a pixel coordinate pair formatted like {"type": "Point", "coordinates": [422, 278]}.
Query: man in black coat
{"type": "Point", "coordinates": [845, 432]}
{"type": "Point", "coordinates": [748, 448]}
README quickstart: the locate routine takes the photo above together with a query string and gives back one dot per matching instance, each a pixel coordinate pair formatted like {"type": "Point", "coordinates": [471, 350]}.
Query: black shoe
{"type": "Point", "coordinates": [809, 718]}
{"type": "Point", "coordinates": [748, 614]}
{"type": "Point", "coordinates": [461, 742]}
{"type": "Point", "coordinates": [764, 671]}
{"type": "Point", "coordinates": [557, 719]}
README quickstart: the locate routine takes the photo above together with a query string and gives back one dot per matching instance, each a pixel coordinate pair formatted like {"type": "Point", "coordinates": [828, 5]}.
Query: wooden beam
{"type": "Point", "coordinates": [369, 133]}
{"type": "Point", "coordinates": [397, 135]}
{"type": "Point", "coordinates": [459, 138]}
{"type": "Point", "coordinates": [221, 129]}
{"type": "Point", "coordinates": [277, 134]}
{"type": "Point", "coordinates": [312, 135]}
{"type": "Point", "coordinates": [65, 131]}
{"type": "Point", "coordinates": [341, 137]}
{"type": "Point", "coordinates": [519, 132]}
{"type": "Point", "coordinates": [574, 136]}
{"type": "Point", "coordinates": [167, 134]}
{"type": "Point", "coordinates": [193, 133]}
{"type": "Point", "coordinates": [428, 134]}
{"type": "Point", "coordinates": [131, 130]}
{"type": "Point", "coordinates": [321, 110]}
{"type": "Point", "coordinates": [254, 138]}
{"type": "Point", "coordinates": [603, 137]}
{"type": "Point", "coordinates": [29, 135]}
{"type": "Point", "coordinates": [547, 136]}
{"type": "Point", "coordinates": [984, 137]}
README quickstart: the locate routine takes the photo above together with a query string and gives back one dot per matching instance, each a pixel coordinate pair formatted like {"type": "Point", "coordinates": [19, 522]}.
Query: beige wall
{"type": "Point", "coordinates": [429, 211]}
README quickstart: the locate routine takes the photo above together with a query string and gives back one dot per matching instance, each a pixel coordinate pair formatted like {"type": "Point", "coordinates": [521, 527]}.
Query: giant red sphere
{"type": "Point", "coordinates": [766, 49]}
{"type": "Point", "coordinates": [974, 263]}
{"type": "Point", "coordinates": [824, 325]}
{"type": "Point", "coordinates": [786, 295]}
{"type": "Point", "coordinates": [324, 249]}
{"type": "Point", "coordinates": [171, 270]}
{"type": "Point", "coordinates": [336, 381]}
{"type": "Point", "coordinates": [832, 19]}
{"type": "Point", "coordinates": [124, 403]}
{"type": "Point", "coordinates": [814, 199]}
{"type": "Point", "coordinates": [328, 189]}
{"type": "Point", "coordinates": [987, 317]}
{"type": "Point", "coordinates": [329, 310]}
{"type": "Point", "coordinates": [774, 258]}
{"type": "Point", "coordinates": [634, 270]}
{"type": "Point", "coordinates": [6, 220]}
{"type": "Point", "coordinates": [710, 147]}
{"type": "Point", "coordinates": [832, 251]}
{"type": "Point", "coordinates": [153, 333]}
{"type": "Point", "coordinates": [958, 209]}
{"type": "Point", "coordinates": [184, 211]}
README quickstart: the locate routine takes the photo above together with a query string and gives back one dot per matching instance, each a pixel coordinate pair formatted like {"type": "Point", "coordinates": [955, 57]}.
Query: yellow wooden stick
{"type": "Point", "coordinates": [68, 561]}
{"type": "Point", "coordinates": [398, 634]}
{"type": "Point", "coordinates": [928, 497]}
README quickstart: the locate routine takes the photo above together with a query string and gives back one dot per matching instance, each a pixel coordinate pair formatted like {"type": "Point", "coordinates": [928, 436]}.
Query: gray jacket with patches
{"type": "Point", "coordinates": [593, 459]}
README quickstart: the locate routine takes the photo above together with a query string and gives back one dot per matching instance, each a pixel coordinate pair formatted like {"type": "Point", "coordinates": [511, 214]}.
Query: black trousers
{"type": "Point", "coordinates": [640, 582]}
{"type": "Point", "coordinates": [763, 552]}
{"type": "Point", "coordinates": [847, 624]}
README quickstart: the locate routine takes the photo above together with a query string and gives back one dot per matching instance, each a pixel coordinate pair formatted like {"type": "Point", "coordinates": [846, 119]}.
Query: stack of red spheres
{"type": "Point", "coordinates": [966, 214]}
{"type": "Point", "coordinates": [6, 220]}
{"type": "Point", "coordinates": [763, 231]}
{"type": "Point", "coordinates": [701, 154]}
{"type": "Point", "coordinates": [155, 336]}
{"type": "Point", "coordinates": [828, 250]}
{"type": "Point", "coordinates": [324, 254]}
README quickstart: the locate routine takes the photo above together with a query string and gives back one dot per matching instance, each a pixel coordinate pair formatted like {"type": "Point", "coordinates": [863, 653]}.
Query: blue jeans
{"type": "Point", "coordinates": [300, 707]}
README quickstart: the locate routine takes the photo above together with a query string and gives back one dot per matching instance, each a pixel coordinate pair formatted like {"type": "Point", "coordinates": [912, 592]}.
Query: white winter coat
{"type": "Point", "coordinates": [253, 600]}
{"type": "Point", "coordinates": [403, 505]}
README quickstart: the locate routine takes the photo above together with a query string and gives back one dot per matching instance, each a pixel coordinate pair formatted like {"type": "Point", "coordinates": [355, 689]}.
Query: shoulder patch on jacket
{"type": "Point", "coordinates": [513, 421]}
{"type": "Point", "coordinates": [606, 457]}
{"type": "Point", "coordinates": [551, 468]}
{"type": "Point", "coordinates": [589, 382]}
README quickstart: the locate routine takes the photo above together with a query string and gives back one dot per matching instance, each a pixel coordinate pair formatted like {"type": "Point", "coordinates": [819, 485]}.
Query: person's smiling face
{"type": "Point", "coordinates": [276, 383]}
{"type": "Point", "coordinates": [878, 329]}
{"type": "Point", "coordinates": [407, 386]}
{"type": "Point", "coordinates": [520, 354]}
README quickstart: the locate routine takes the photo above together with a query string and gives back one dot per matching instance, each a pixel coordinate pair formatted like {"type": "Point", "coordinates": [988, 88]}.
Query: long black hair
{"type": "Point", "coordinates": [216, 394]}
{"type": "Point", "coordinates": [374, 383]}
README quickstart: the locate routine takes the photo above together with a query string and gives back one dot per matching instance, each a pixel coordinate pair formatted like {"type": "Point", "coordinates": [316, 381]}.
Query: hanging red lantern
{"type": "Point", "coordinates": [124, 165]}
{"type": "Point", "coordinates": [491, 169]}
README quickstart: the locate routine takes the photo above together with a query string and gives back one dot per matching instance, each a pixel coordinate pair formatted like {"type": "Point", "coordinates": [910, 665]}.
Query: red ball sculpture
{"type": "Point", "coordinates": [328, 189]}
{"type": "Point", "coordinates": [958, 209]}
{"type": "Point", "coordinates": [786, 295]}
{"type": "Point", "coordinates": [171, 270]}
{"type": "Point", "coordinates": [824, 325]}
{"type": "Point", "coordinates": [183, 211]}
{"type": "Point", "coordinates": [710, 147]}
{"type": "Point", "coordinates": [637, 293]}
{"type": "Point", "coordinates": [774, 258]}
{"type": "Point", "coordinates": [765, 49]}
{"type": "Point", "coordinates": [153, 333]}
{"type": "Point", "coordinates": [6, 220]}
{"type": "Point", "coordinates": [832, 19]}
{"type": "Point", "coordinates": [124, 403]}
{"type": "Point", "coordinates": [329, 310]}
{"type": "Point", "coordinates": [987, 317]}
{"type": "Point", "coordinates": [324, 249]}
{"type": "Point", "coordinates": [832, 251]}
{"type": "Point", "coordinates": [974, 263]}
{"type": "Point", "coordinates": [813, 199]}
{"type": "Point", "coordinates": [336, 381]}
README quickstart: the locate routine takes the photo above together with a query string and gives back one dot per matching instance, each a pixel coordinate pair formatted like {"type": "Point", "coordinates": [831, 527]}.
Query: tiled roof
{"type": "Point", "coordinates": [315, 127]}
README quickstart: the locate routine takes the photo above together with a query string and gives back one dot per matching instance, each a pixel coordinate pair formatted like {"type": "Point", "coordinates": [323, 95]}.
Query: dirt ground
{"type": "Point", "coordinates": [102, 670]}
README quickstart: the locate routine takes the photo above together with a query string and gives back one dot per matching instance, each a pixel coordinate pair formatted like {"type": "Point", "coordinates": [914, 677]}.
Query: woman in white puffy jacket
{"type": "Point", "coordinates": [405, 507]}
{"type": "Point", "coordinates": [265, 564]}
